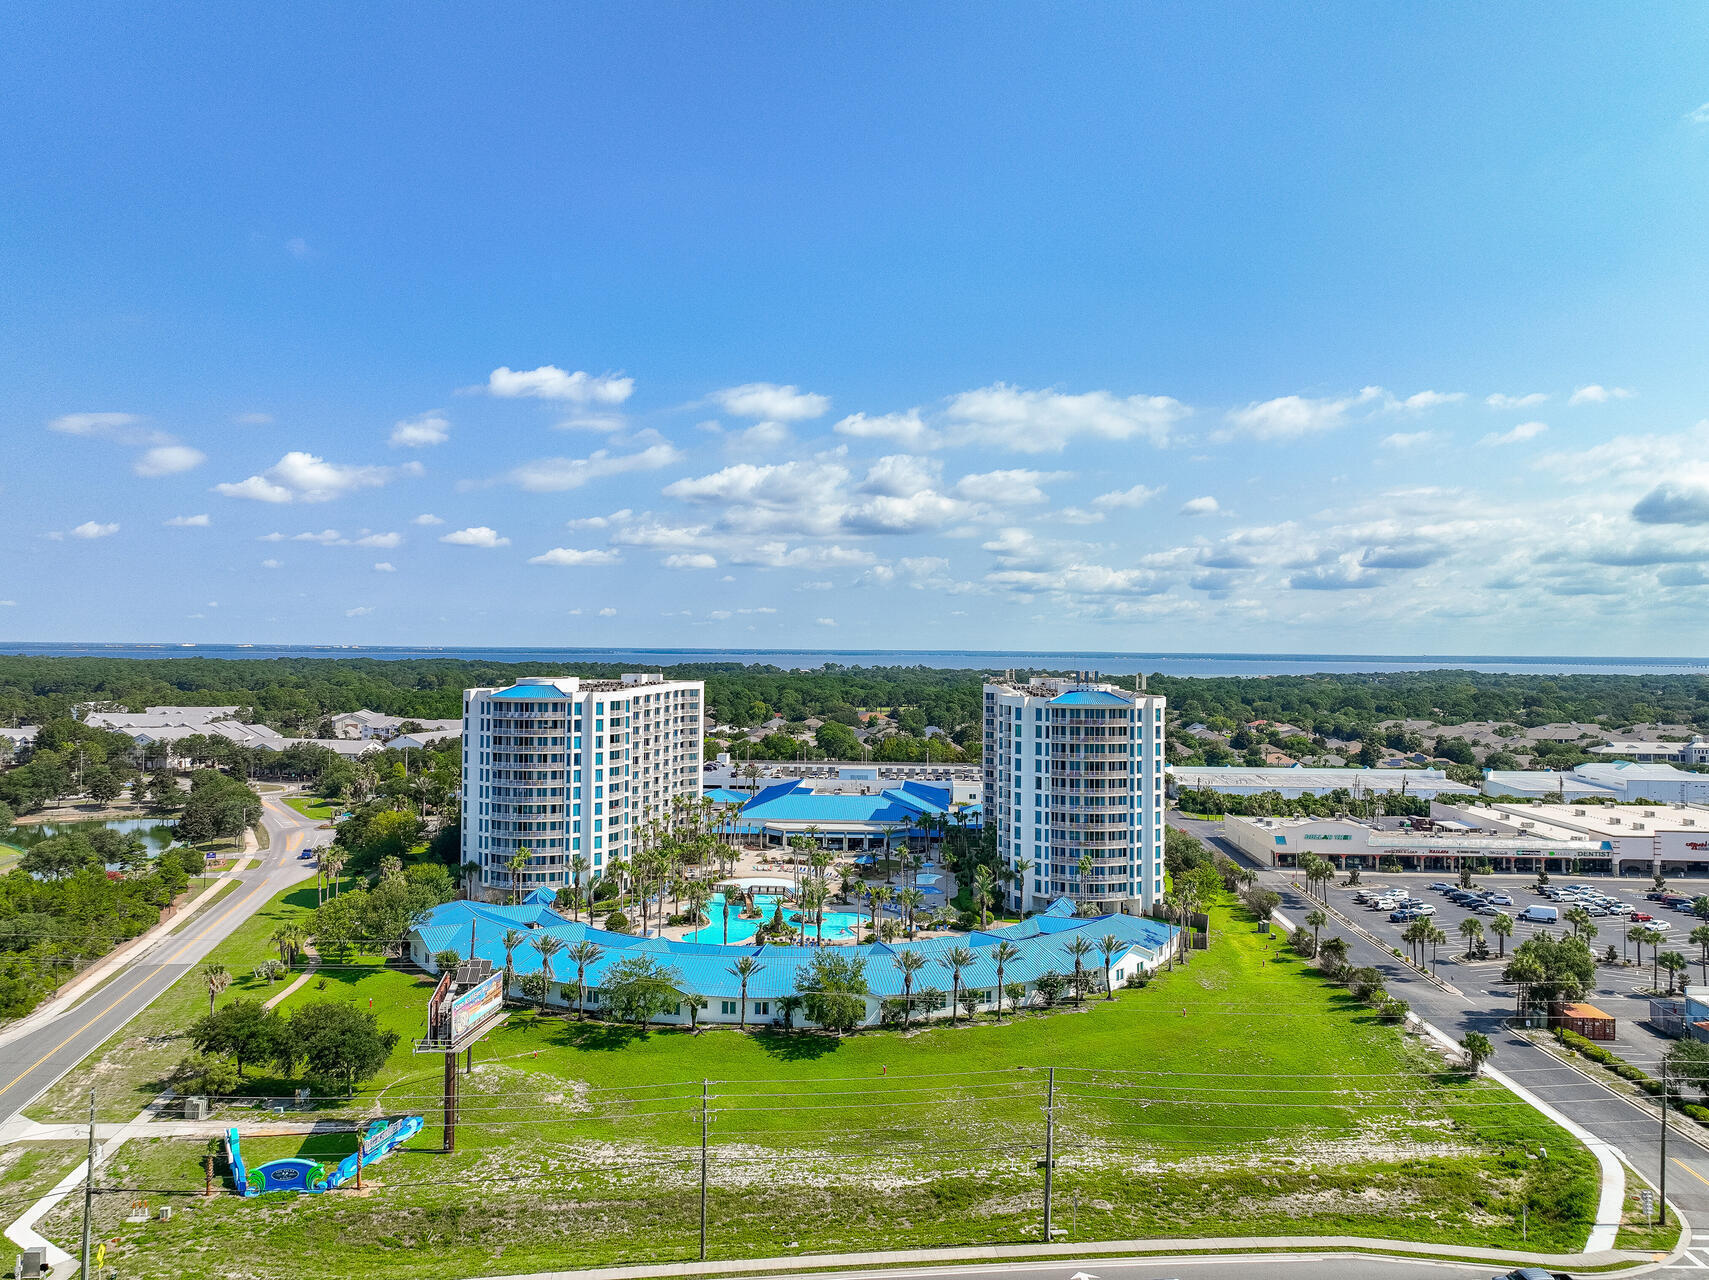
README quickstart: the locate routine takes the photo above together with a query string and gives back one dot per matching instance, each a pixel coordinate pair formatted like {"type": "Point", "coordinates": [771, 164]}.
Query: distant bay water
{"type": "Point", "coordinates": [1110, 663]}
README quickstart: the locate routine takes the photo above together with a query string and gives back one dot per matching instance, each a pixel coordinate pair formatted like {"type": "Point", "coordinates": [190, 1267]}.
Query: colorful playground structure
{"type": "Point", "coordinates": [298, 1173]}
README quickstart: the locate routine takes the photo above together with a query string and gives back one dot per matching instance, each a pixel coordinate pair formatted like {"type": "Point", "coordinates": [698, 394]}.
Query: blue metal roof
{"type": "Point", "coordinates": [1090, 698]}
{"type": "Point", "coordinates": [530, 691]}
{"type": "Point", "coordinates": [728, 795]}
{"type": "Point", "coordinates": [795, 802]}
{"type": "Point", "coordinates": [704, 967]}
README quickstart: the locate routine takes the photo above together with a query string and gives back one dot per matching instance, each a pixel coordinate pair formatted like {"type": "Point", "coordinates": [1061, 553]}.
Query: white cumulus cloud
{"type": "Point", "coordinates": [384, 566]}
{"type": "Point", "coordinates": [427, 518]}
{"type": "Point", "coordinates": [1524, 431]}
{"type": "Point", "coordinates": [691, 560]}
{"type": "Point", "coordinates": [417, 433]}
{"type": "Point", "coordinates": [95, 529]}
{"type": "Point", "coordinates": [109, 426]}
{"type": "Point", "coordinates": [188, 522]}
{"type": "Point", "coordinates": [303, 477]}
{"type": "Point", "coordinates": [475, 536]}
{"type": "Point", "coordinates": [1596, 393]}
{"type": "Point", "coordinates": [1289, 417]}
{"type": "Point", "coordinates": [553, 475]}
{"type": "Point", "coordinates": [359, 611]}
{"type": "Point", "coordinates": [573, 557]}
{"type": "Point", "coordinates": [549, 382]}
{"type": "Point", "coordinates": [1499, 401]}
{"type": "Point", "coordinates": [1206, 506]}
{"type": "Point", "coordinates": [608, 612]}
{"type": "Point", "coordinates": [168, 460]}
{"type": "Point", "coordinates": [770, 401]}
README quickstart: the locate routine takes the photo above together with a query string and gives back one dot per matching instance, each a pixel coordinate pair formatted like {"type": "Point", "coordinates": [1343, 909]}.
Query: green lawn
{"type": "Point", "coordinates": [315, 807]}
{"type": "Point", "coordinates": [1284, 1108]}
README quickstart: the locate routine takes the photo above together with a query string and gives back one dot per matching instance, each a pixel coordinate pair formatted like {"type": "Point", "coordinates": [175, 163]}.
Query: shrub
{"type": "Point", "coordinates": [1394, 1009]}
{"type": "Point", "coordinates": [1697, 1113]}
{"type": "Point", "coordinates": [268, 971]}
{"type": "Point", "coordinates": [1303, 942]}
{"type": "Point", "coordinates": [206, 1074]}
{"type": "Point", "coordinates": [617, 922]}
{"type": "Point", "coordinates": [532, 986]}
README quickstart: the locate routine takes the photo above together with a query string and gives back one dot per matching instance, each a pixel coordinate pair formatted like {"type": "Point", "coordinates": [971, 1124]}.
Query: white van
{"type": "Point", "coordinates": [1541, 915]}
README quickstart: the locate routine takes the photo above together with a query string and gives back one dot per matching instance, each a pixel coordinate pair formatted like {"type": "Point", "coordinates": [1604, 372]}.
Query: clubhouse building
{"type": "Point", "coordinates": [1037, 945]}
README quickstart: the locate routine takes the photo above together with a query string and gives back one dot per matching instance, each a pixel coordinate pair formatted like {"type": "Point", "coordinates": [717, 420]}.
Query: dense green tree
{"type": "Point", "coordinates": [242, 1031]}
{"type": "Point", "coordinates": [337, 1042]}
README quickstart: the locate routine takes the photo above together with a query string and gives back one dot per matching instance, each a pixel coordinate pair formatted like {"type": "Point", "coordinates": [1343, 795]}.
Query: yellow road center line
{"type": "Point", "coordinates": [1690, 1170]}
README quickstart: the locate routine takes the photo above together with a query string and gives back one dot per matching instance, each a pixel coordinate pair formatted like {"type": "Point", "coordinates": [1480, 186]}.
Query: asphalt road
{"type": "Point", "coordinates": [1484, 1005]}
{"type": "Point", "coordinates": [34, 1061]}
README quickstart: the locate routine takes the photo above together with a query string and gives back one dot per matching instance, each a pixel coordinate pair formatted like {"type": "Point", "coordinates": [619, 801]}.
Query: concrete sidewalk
{"type": "Point", "coordinates": [1161, 1249]}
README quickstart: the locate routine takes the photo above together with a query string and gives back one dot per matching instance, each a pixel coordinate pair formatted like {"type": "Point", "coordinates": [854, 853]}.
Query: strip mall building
{"type": "Point", "coordinates": [1566, 838]}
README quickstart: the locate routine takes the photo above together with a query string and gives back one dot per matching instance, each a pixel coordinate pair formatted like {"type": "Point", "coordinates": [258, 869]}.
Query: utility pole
{"type": "Point", "coordinates": [89, 1184]}
{"type": "Point", "coordinates": [1661, 1211]}
{"type": "Point", "coordinates": [1049, 1145]}
{"type": "Point", "coordinates": [705, 1123]}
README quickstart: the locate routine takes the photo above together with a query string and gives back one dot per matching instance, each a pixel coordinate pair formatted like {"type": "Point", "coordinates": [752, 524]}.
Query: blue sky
{"type": "Point", "coordinates": [1337, 328]}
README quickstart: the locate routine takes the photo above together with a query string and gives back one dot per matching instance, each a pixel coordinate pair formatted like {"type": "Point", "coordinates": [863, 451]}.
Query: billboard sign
{"type": "Point", "coordinates": [476, 1005]}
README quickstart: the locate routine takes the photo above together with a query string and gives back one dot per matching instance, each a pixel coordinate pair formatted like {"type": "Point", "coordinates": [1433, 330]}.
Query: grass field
{"type": "Point", "coordinates": [315, 807]}
{"type": "Point", "coordinates": [1239, 1095]}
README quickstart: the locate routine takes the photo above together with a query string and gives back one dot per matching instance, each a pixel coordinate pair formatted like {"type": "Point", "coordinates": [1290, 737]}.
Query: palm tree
{"type": "Point", "coordinates": [1636, 934]}
{"type": "Point", "coordinates": [1108, 945]}
{"type": "Point", "coordinates": [514, 866]}
{"type": "Point", "coordinates": [1471, 929]}
{"type": "Point", "coordinates": [1333, 954]}
{"type": "Point", "coordinates": [955, 960]}
{"type": "Point", "coordinates": [510, 941]}
{"type": "Point", "coordinates": [1478, 1049]}
{"type": "Point", "coordinates": [908, 963]}
{"type": "Point", "coordinates": [1577, 917]}
{"type": "Point", "coordinates": [585, 954]}
{"type": "Point", "coordinates": [910, 900]}
{"type": "Point", "coordinates": [1674, 963]}
{"type": "Point", "coordinates": [578, 869]}
{"type": "Point", "coordinates": [1502, 927]}
{"type": "Point", "coordinates": [1524, 973]}
{"type": "Point", "coordinates": [1084, 866]}
{"type": "Point", "coordinates": [1078, 947]}
{"type": "Point", "coordinates": [218, 979]}
{"type": "Point", "coordinates": [812, 907]}
{"type": "Point", "coordinates": [1315, 921]}
{"type": "Point", "coordinates": [743, 970]}
{"type": "Point", "coordinates": [1700, 935]}
{"type": "Point", "coordinates": [984, 885]}
{"type": "Point", "coordinates": [1655, 938]}
{"type": "Point", "coordinates": [1022, 866]}
{"type": "Point", "coordinates": [1002, 954]}
{"type": "Point", "coordinates": [878, 896]}
{"type": "Point", "coordinates": [548, 945]}
{"type": "Point", "coordinates": [332, 863]}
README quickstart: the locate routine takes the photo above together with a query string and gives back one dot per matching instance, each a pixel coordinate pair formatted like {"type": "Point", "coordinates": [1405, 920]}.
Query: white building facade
{"type": "Point", "coordinates": [562, 766]}
{"type": "Point", "coordinates": [1073, 774]}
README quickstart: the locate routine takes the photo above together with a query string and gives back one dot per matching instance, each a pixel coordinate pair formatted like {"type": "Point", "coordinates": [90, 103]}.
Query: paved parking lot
{"type": "Point", "coordinates": [1617, 987]}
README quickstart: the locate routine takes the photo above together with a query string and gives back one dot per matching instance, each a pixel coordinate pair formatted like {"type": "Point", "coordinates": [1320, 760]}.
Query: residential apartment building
{"type": "Point", "coordinates": [1074, 790]}
{"type": "Point", "coordinates": [561, 766]}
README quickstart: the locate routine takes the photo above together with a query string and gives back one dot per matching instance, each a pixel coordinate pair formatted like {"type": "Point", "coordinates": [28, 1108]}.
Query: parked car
{"type": "Point", "coordinates": [1532, 1273]}
{"type": "Point", "coordinates": [307, 855]}
{"type": "Point", "coordinates": [1541, 915]}
{"type": "Point", "coordinates": [1403, 914]}
{"type": "Point", "coordinates": [1424, 909]}
{"type": "Point", "coordinates": [1641, 917]}
{"type": "Point", "coordinates": [1441, 886]}
{"type": "Point", "coordinates": [1501, 899]}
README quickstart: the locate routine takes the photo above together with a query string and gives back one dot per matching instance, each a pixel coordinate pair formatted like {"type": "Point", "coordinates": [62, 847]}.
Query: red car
{"type": "Point", "coordinates": [1639, 917]}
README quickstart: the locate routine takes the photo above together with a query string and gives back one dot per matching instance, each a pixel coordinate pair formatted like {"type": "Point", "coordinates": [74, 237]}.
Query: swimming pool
{"type": "Point", "coordinates": [841, 926]}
